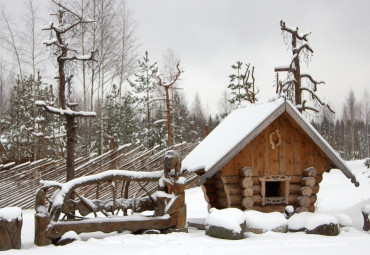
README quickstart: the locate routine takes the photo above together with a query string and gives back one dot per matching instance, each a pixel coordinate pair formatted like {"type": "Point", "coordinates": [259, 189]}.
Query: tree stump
{"type": "Point", "coordinates": [10, 228]}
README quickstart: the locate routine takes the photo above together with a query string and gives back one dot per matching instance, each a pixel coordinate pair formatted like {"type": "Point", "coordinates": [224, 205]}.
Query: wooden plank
{"type": "Point", "coordinates": [260, 154]}
{"type": "Point", "coordinates": [108, 225]}
{"type": "Point", "coordinates": [274, 154]}
{"type": "Point", "coordinates": [289, 148]}
{"type": "Point", "coordinates": [264, 140]}
{"type": "Point", "coordinates": [282, 148]}
{"type": "Point", "coordinates": [296, 153]}
{"type": "Point", "coordinates": [256, 170]}
{"type": "Point", "coordinates": [251, 136]}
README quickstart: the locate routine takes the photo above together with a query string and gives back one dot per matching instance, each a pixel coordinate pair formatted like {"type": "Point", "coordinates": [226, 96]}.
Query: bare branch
{"type": "Point", "coordinates": [62, 112]}
{"type": "Point", "coordinates": [314, 96]}
{"type": "Point", "coordinates": [312, 80]}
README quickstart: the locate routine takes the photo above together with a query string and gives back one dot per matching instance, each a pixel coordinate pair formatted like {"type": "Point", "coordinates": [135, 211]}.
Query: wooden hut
{"type": "Point", "coordinates": [263, 157]}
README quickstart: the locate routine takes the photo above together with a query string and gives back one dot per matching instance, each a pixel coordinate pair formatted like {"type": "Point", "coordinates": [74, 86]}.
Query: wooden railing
{"type": "Point", "coordinates": [63, 207]}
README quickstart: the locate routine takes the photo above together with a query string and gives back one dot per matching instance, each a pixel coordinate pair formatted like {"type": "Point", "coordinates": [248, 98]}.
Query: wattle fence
{"type": "Point", "coordinates": [18, 184]}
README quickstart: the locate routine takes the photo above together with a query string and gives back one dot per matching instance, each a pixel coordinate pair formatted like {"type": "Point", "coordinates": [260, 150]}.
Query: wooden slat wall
{"type": "Point", "coordinates": [18, 184]}
{"type": "Point", "coordinates": [296, 152]}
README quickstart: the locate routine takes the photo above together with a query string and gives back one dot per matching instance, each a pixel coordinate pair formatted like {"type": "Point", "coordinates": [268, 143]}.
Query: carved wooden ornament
{"type": "Point", "coordinates": [275, 139]}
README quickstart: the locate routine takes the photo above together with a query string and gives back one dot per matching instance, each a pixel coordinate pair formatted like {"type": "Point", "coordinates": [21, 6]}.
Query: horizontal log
{"type": "Point", "coordinates": [308, 181]}
{"type": "Point", "coordinates": [110, 224]}
{"type": "Point", "coordinates": [256, 189]}
{"type": "Point", "coordinates": [210, 197]}
{"type": "Point", "coordinates": [208, 188]}
{"type": "Point", "coordinates": [313, 199]}
{"type": "Point", "coordinates": [247, 192]}
{"type": "Point", "coordinates": [303, 201]}
{"type": "Point", "coordinates": [246, 171]}
{"type": "Point", "coordinates": [247, 202]}
{"type": "Point", "coordinates": [221, 193]}
{"type": "Point", "coordinates": [218, 175]}
{"type": "Point", "coordinates": [318, 178]}
{"type": "Point", "coordinates": [294, 188]}
{"type": "Point", "coordinates": [233, 199]}
{"type": "Point", "coordinates": [222, 202]}
{"type": "Point", "coordinates": [257, 199]}
{"type": "Point", "coordinates": [232, 189]}
{"type": "Point", "coordinates": [230, 179]}
{"type": "Point", "coordinates": [295, 179]}
{"type": "Point", "coordinates": [269, 208]}
{"type": "Point", "coordinates": [315, 188]}
{"type": "Point", "coordinates": [256, 180]}
{"type": "Point", "coordinates": [246, 182]}
{"type": "Point", "coordinates": [311, 208]}
{"type": "Point", "coordinates": [310, 172]}
{"type": "Point", "coordinates": [292, 199]}
{"type": "Point", "coordinates": [210, 181]}
{"type": "Point", "coordinates": [305, 191]}
{"type": "Point", "coordinates": [219, 184]}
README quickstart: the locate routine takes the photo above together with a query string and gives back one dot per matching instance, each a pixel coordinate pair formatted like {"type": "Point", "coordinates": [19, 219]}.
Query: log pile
{"type": "Point", "coordinates": [247, 188]}
{"type": "Point", "coordinates": [307, 192]}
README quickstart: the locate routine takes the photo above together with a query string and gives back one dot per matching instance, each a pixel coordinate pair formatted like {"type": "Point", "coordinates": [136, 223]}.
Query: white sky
{"type": "Point", "coordinates": [210, 35]}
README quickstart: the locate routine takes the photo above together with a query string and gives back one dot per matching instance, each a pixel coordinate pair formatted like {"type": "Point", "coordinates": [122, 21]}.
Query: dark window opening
{"type": "Point", "coordinates": [273, 189]}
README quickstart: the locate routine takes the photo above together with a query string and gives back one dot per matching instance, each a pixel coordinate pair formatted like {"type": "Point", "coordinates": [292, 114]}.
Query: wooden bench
{"type": "Point", "coordinates": [70, 206]}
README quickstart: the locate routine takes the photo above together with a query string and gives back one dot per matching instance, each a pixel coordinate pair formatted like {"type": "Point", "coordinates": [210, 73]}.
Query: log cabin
{"type": "Point", "coordinates": [264, 157]}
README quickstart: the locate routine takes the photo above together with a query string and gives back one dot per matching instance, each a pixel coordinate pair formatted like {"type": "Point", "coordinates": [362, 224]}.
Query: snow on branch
{"type": "Point", "coordinates": [284, 68]}
{"type": "Point", "coordinates": [303, 46]}
{"type": "Point", "coordinates": [67, 112]}
{"type": "Point", "coordinates": [314, 96]}
{"type": "Point", "coordinates": [294, 31]}
{"type": "Point", "coordinates": [59, 30]}
{"type": "Point", "coordinates": [315, 83]}
{"type": "Point", "coordinates": [87, 57]}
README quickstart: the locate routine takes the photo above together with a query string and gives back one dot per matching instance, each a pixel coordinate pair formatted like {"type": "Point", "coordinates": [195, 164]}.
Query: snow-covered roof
{"type": "Point", "coordinates": [240, 127]}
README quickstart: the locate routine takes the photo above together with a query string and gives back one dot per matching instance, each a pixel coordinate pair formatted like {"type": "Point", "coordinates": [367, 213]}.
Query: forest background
{"type": "Point", "coordinates": [122, 87]}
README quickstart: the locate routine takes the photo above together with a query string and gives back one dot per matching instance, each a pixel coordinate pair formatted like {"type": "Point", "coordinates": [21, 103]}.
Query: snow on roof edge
{"type": "Point", "coordinates": [328, 150]}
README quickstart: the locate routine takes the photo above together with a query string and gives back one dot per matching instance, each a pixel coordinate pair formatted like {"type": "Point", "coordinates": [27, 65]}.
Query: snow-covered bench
{"type": "Point", "coordinates": [71, 208]}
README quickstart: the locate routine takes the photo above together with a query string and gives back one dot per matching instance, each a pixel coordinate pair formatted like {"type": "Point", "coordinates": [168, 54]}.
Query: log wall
{"type": "Point", "coordinates": [282, 148]}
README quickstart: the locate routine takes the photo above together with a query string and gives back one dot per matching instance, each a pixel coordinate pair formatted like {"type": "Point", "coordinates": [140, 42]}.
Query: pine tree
{"type": "Point", "coordinates": [144, 86]}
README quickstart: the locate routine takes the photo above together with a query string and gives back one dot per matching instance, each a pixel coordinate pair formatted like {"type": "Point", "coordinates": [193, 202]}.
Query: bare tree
{"type": "Point", "coordinates": [68, 22]}
{"type": "Point", "coordinates": [9, 36]}
{"type": "Point", "coordinates": [293, 86]}
{"type": "Point", "coordinates": [223, 103]}
{"type": "Point", "coordinates": [166, 85]}
{"type": "Point", "coordinates": [33, 52]}
{"type": "Point", "coordinates": [351, 112]}
{"type": "Point", "coordinates": [366, 112]}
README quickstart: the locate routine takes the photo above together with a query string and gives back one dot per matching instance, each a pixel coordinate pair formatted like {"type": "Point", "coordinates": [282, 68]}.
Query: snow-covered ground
{"type": "Point", "coordinates": [337, 195]}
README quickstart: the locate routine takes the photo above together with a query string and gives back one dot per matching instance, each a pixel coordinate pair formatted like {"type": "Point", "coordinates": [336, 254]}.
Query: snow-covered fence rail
{"type": "Point", "coordinates": [18, 184]}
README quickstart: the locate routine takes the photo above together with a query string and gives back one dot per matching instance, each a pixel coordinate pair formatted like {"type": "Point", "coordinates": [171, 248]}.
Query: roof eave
{"type": "Point", "coordinates": [250, 137]}
{"type": "Point", "coordinates": [319, 140]}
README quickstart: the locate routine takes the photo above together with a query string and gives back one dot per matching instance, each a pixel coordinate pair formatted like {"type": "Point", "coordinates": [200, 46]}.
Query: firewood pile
{"type": "Point", "coordinates": [18, 184]}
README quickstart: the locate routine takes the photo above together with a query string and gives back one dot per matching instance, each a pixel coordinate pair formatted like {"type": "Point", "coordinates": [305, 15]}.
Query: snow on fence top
{"type": "Point", "coordinates": [11, 213]}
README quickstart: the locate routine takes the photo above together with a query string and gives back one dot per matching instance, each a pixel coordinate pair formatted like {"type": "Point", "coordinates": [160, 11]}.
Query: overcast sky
{"type": "Point", "coordinates": [209, 36]}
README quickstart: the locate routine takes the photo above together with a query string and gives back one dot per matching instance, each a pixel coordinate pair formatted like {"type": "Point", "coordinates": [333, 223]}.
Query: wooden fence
{"type": "Point", "coordinates": [18, 184]}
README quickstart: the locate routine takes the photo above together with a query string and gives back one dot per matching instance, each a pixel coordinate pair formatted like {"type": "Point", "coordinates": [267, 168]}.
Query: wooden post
{"type": "Point", "coordinates": [111, 143]}
{"type": "Point", "coordinates": [206, 130]}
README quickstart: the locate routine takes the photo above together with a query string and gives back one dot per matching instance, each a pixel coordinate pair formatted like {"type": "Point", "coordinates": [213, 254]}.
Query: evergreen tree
{"type": "Point", "coordinates": [144, 86]}
{"type": "Point", "coordinates": [241, 88]}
